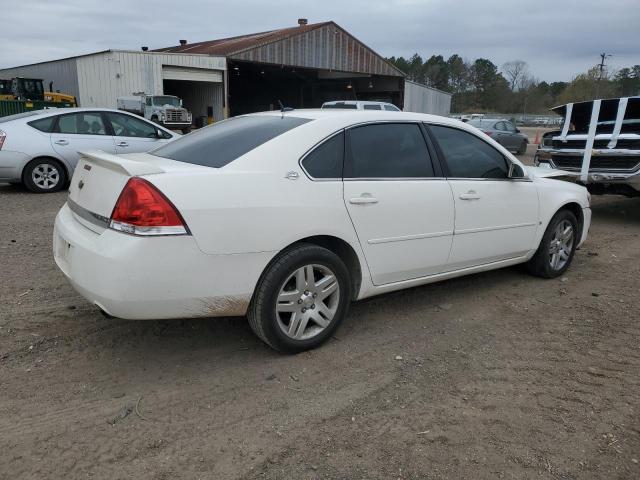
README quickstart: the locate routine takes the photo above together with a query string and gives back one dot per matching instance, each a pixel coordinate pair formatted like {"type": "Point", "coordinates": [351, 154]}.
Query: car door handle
{"type": "Point", "coordinates": [123, 144]}
{"type": "Point", "coordinates": [363, 200]}
{"type": "Point", "coordinates": [470, 195]}
{"type": "Point", "coordinates": [62, 142]}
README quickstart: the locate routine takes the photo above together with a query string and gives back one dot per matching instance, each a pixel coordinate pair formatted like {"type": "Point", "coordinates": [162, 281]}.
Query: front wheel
{"type": "Point", "coordinates": [558, 245]}
{"type": "Point", "coordinates": [44, 176]}
{"type": "Point", "coordinates": [301, 299]}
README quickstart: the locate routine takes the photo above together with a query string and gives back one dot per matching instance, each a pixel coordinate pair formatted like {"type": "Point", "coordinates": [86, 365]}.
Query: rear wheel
{"type": "Point", "coordinates": [558, 245]}
{"type": "Point", "coordinates": [44, 175]}
{"type": "Point", "coordinates": [301, 299]}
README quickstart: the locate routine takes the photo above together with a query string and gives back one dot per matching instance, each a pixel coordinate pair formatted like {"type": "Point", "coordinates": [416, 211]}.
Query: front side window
{"type": "Point", "coordinates": [221, 143]}
{"type": "Point", "coordinates": [325, 161]}
{"type": "Point", "coordinates": [127, 126]}
{"type": "Point", "coordinates": [467, 156]}
{"type": "Point", "coordinates": [372, 106]}
{"type": "Point", "coordinates": [387, 150]}
{"type": "Point", "coordinates": [84, 123]}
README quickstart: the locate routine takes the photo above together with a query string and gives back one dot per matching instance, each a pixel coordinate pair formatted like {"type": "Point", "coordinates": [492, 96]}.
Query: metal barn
{"type": "Point", "coordinates": [300, 67]}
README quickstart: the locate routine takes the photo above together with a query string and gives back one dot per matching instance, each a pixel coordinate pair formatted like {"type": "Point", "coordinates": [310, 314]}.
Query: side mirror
{"type": "Point", "coordinates": [159, 133]}
{"type": "Point", "coordinates": [515, 171]}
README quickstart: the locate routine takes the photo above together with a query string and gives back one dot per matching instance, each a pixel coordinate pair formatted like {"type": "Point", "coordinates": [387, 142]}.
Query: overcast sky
{"type": "Point", "coordinates": [558, 39]}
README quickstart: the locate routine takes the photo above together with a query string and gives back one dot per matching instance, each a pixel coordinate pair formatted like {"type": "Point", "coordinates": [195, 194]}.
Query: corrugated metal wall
{"type": "Point", "coordinates": [106, 76]}
{"type": "Point", "coordinates": [327, 47]}
{"type": "Point", "coordinates": [422, 99]}
{"type": "Point", "coordinates": [63, 74]}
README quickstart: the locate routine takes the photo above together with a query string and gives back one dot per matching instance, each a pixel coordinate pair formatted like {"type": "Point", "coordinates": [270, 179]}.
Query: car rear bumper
{"type": "Point", "coordinates": [141, 278]}
{"type": "Point", "coordinates": [11, 165]}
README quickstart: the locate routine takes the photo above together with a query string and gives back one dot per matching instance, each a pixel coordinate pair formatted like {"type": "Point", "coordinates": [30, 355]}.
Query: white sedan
{"type": "Point", "coordinates": [288, 217]}
{"type": "Point", "coordinates": [40, 148]}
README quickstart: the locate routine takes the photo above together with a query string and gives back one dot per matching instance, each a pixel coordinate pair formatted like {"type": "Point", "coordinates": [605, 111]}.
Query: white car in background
{"type": "Point", "coordinates": [40, 148]}
{"type": "Point", "coordinates": [288, 217]}
{"type": "Point", "coordinates": [360, 105]}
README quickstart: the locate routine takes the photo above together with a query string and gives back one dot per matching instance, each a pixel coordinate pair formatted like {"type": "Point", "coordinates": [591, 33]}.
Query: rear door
{"type": "Point", "coordinates": [134, 135]}
{"type": "Point", "coordinates": [496, 217]}
{"type": "Point", "coordinates": [75, 132]}
{"type": "Point", "coordinates": [399, 203]}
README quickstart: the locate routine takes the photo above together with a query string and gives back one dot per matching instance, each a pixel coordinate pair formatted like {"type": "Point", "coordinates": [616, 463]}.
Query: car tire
{"type": "Point", "coordinates": [301, 299]}
{"type": "Point", "coordinates": [556, 250]}
{"type": "Point", "coordinates": [44, 175]}
{"type": "Point", "coordinates": [523, 148]}
{"type": "Point", "coordinates": [186, 130]}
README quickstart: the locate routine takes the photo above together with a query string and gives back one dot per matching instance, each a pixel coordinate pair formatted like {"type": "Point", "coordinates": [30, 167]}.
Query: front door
{"type": "Point", "coordinates": [400, 206]}
{"type": "Point", "coordinates": [80, 131]}
{"type": "Point", "coordinates": [496, 217]}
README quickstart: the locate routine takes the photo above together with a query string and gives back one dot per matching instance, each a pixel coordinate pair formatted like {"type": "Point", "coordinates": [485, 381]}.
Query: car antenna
{"type": "Point", "coordinates": [283, 109]}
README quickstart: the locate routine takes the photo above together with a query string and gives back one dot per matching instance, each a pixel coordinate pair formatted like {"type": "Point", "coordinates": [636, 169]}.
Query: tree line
{"type": "Point", "coordinates": [480, 86]}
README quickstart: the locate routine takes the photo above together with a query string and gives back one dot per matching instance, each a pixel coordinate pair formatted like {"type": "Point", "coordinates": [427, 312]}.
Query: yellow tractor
{"type": "Point", "coordinates": [32, 89]}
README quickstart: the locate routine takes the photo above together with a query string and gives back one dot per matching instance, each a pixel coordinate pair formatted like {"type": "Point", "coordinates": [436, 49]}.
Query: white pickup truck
{"type": "Point", "coordinates": [165, 110]}
{"type": "Point", "coordinates": [599, 145]}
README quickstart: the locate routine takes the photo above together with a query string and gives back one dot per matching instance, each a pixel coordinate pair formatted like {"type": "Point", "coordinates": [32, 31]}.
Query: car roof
{"type": "Point", "coordinates": [357, 116]}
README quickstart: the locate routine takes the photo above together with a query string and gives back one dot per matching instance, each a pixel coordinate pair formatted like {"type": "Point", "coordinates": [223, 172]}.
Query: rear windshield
{"type": "Point", "coordinates": [222, 143]}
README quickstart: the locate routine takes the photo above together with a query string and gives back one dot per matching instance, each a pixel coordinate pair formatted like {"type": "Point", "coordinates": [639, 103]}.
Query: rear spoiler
{"type": "Point", "coordinates": [126, 166]}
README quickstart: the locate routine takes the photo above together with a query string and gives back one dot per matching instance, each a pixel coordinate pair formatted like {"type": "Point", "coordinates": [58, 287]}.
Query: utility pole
{"type": "Point", "coordinates": [601, 65]}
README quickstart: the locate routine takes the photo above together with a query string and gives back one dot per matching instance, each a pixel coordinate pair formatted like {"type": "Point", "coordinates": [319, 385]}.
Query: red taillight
{"type": "Point", "coordinates": [3, 137]}
{"type": "Point", "coordinates": [142, 209]}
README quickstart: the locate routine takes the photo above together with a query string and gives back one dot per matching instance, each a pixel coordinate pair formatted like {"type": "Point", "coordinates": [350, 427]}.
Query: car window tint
{"type": "Point", "coordinates": [221, 143]}
{"type": "Point", "coordinates": [127, 126]}
{"type": "Point", "coordinates": [372, 106]}
{"type": "Point", "coordinates": [84, 123]}
{"type": "Point", "coordinates": [500, 126]}
{"type": "Point", "coordinates": [388, 150]}
{"type": "Point", "coordinates": [43, 124]}
{"type": "Point", "coordinates": [325, 161]}
{"type": "Point", "coordinates": [467, 156]}
{"type": "Point", "coordinates": [391, 108]}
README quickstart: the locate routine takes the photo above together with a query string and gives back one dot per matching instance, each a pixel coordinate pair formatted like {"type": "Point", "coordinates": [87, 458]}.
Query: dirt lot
{"type": "Point", "coordinates": [501, 376]}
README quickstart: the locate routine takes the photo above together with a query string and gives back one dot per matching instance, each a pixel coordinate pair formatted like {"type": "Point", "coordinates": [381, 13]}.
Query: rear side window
{"type": "Point", "coordinates": [467, 156]}
{"type": "Point", "coordinates": [221, 143]}
{"type": "Point", "coordinates": [387, 150]}
{"type": "Point", "coordinates": [391, 108]}
{"type": "Point", "coordinates": [372, 106]}
{"type": "Point", "coordinates": [325, 161]}
{"type": "Point", "coordinates": [82, 123]}
{"type": "Point", "coordinates": [347, 106]}
{"type": "Point", "coordinates": [43, 124]}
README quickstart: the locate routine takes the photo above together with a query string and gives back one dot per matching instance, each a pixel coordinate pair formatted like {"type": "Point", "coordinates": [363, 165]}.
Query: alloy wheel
{"type": "Point", "coordinates": [307, 301]}
{"type": "Point", "coordinates": [561, 245]}
{"type": "Point", "coordinates": [45, 176]}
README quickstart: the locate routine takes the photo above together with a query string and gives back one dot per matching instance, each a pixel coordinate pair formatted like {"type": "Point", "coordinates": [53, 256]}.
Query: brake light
{"type": "Point", "coordinates": [3, 137]}
{"type": "Point", "coordinates": [142, 209]}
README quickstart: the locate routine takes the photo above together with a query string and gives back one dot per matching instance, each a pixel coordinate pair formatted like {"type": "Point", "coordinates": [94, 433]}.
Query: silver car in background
{"type": "Point", "coordinates": [40, 148]}
{"type": "Point", "coordinates": [504, 132]}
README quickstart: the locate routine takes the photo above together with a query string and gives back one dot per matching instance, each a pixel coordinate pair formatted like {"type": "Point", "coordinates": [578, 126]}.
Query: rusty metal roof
{"type": "Point", "coordinates": [233, 45]}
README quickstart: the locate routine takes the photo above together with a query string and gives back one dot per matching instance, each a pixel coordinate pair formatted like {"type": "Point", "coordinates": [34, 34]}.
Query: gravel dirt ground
{"type": "Point", "coordinates": [496, 375]}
